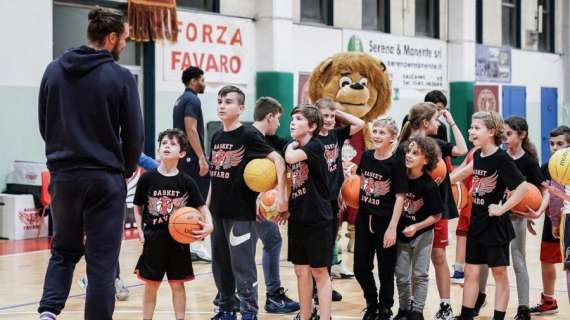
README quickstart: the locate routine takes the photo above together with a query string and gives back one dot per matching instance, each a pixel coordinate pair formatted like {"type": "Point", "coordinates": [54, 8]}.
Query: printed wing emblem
{"type": "Point", "coordinates": [331, 154]}
{"type": "Point", "coordinates": [227, 159]}
{"type": "Point", "coordinates": [299, 176]}
{"type": "Point", "coordinates": [484, 185]}
{"type": "Point", "coordinates": [381, 187]}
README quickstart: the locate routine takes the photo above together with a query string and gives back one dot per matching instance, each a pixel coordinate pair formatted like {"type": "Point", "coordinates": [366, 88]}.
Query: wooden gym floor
{"type": "Point", "coordinates": [23, 265]}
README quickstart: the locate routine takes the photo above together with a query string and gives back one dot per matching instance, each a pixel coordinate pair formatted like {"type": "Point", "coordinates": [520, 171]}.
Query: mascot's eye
{"type": "Point", "coordinates": [364, 82]}
{"type": "Point", "coordinates": [345, 81]}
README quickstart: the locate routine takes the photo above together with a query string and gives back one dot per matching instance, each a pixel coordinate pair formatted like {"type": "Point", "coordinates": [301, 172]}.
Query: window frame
{"type": "Point", "coordinates": [516, 6]}
{"type": "Point", "coordinates": [382, 23]}
{"type": "Point", "coordinates": [550, 22]}
{"type": "Point", "coordinates": [435, 7]}
{"type": "Point", "coordinates": [327, 13]}
{"type": "Point", "coordinates": [215, 7]}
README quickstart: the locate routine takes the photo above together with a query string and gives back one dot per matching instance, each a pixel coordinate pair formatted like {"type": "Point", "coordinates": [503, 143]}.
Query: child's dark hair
{"type": "Point", "coordinates": [104, 21]}
{"type": "Point", "coordinates": [436, 96]}
{"type": "Point", "coordinates": [311, 113]}
{"type": "Point", "coordinates": [419, 112]}
{"type": "Point", "coordinates": [519, 125]}
{"type": "Point", "coordinates": [429, 148]}
{"type": "Point", "coordinates": [224, 91]}
{"type": "Point", "coordinates": [265, 106]}
{"type": "Point", "coordinates": [175, 134]}
{"type": "Point", "coordinates": [191, 73]}
{"type": "Point", "coordinates": [561, 130]}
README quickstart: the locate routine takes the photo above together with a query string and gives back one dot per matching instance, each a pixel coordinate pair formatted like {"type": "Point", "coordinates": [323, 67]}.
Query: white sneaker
{"type": "Point", "coordinates": [47, 316]}
{"type": "Point", "coordinates": [121, 292]}
{"type": "Point", "coordinates": [340, 271]}
{"type": "Point", "coordinates": [199, 252]}
{"type": "Point", "coordinates": [82, 282]}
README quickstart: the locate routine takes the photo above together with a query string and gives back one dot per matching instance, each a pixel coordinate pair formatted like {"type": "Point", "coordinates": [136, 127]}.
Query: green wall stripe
{"type": "Point", "coordinates": [278, 85]}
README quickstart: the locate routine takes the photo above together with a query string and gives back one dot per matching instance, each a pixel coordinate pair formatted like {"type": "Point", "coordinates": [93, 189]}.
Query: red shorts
{"type": "Point", "coordinates": [550, 252]}
{"type": "Point", "coordinates": [440, 234]}
{"type": "Point", "coordinates": [464, 221]}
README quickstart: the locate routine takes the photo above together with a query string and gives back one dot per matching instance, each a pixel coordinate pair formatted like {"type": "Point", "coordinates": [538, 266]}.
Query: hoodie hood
{"type": "Point", "coordinates": [80, 61]}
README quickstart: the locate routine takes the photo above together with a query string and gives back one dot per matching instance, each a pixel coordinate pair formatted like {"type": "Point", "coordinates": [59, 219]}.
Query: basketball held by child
{"type": "Point", "coordinates": [268, 204]}
{"type": "Point", "coordinates": [559, 166]}
{"type": "Point", "coordinates": [182, 222]}
{"type": "Point", "coordinates": [531, 199]}
{"type": "Point", "coordinates": [350, 191]}
{"type": "Point", "coordinates": [260, 175]}
{"type": "Point", "coordinates": [438, 173]}
{"type": "Point", "coordinates": [461, 195]}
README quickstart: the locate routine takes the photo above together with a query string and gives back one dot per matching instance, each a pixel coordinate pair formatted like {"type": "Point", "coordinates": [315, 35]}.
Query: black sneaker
{"type": "Point", "coordinates": [444, 313]}
{"type": "Point", "coordinates": [236, 302]}
{"type": "Point", "coordinates": [402, 315]}
{"type": "Point", "coordinates": [336, 296]}
{"type": "Point", "coordinates": [371, 312]}
{"type": "Point", "coordinates": [278, 302]}
{"type": "Point", "coordinates": [315, 314]}
{"type": "Point", "coordinates": [225, 315]}
{"type": "Point", "coordinates": [523, 313]}
{"type": "Point", "coordinates": [480, 303]}
{"type": "Point", "coordinates": [415, 315]}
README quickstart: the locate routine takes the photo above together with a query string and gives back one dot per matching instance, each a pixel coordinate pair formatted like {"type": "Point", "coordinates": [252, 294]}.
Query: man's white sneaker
{"type": "Point", "coordinates": [121, 292]}
{"type": "Point", "coordinates": [199, 252]}
{"type": "Point", "coordinates": [340, 271]}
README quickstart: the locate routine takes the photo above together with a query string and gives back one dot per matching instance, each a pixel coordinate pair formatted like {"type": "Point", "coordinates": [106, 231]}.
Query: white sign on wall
{"type": "Point", "coordinates": [413, 63]}
{"type": "Point", "coordinates": [217, 45]}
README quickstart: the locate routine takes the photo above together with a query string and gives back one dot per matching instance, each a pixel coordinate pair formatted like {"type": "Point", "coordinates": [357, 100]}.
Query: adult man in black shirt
{"type": "Point", "coordinates": [187, 116]}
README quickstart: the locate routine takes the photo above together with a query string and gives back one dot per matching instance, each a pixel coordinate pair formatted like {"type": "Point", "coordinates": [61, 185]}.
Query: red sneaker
{"type": "Point", "coordinates": [546, 306]}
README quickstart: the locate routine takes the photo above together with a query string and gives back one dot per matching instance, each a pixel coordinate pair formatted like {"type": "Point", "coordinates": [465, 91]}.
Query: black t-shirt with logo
{"type": "Point", "coordinates": [492, 176]}
{"type": "Point", "coordinates": [381, 180]}
{"type": "Point", "coordinates": [231, 198]}
{"type": "Point", "coordinates": [160, 195]}
{"type": "Point", "coordinates": [422, 200]}
{"type": "Point", "coordinates": [449, 207]}
{"type": "Point", "coordinates": [332, 143]}
{"type": "Point", "coordinates": [277, 143]}
{"type": "Point", "coordinates": [309, 201]}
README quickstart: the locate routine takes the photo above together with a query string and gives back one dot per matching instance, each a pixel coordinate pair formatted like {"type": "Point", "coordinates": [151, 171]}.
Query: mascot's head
{"type": "Point", "coordinates": [357, 81]}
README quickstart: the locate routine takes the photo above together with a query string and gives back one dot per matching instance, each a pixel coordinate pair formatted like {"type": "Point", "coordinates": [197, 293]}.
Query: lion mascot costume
{"type": "Point", "coordinates": [360, 85]}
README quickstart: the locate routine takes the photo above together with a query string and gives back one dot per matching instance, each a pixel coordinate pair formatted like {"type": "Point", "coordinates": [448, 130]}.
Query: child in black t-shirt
{"type": "Point", "coordinates": [333, 139]}
{"type": "Point", "coordinates": [491, 230]}
{"type": "Point", "coordinates": [422, 208]}
{"type": "Point", "coordinates": [233, 205]}
{"type": "Point", "coordinates": [423, 121]}
{"type": "Point", "coordinates": [525, 157]}
{"type": "Point", "coordinates": [159, 193]}
{"type": "Point", "coordinates": [382, 191]}
{"type": "Point", "coordinates": [309, 236]}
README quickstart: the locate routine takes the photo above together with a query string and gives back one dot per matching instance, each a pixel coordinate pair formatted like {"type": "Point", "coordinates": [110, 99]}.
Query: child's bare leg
{"type": "Point", "coordinates": [149, 298]}
{"type": "Point", "coordinates": [441, 272]}
{"type": "Point", "coordinates": [178, 299]}
{"type": "Point", "coordinates": [502, 288]}
{"type": "Point", "coordinates": [305, 289]}
{"type": "Point", "coordinates": [471, 287]}
{"type": "Point", "coordinates": [324, 291]}
{"type": "Point", "coordinates": [460, 249]}
{"type": "Point", "coordinates": [548, 278]}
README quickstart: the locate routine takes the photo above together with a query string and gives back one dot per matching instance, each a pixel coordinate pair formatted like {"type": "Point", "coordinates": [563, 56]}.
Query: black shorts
{"type": "Point", "coordinates": [311, 246]}
{"type": "Point", "coordinates": [492, 256]}
{"type": "Point", "coordinates": [163, 255]}
{"type": "Point", "coordinates": [547, 231]}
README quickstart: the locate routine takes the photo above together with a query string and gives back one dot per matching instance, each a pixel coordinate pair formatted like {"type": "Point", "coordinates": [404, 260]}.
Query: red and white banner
{"type": "Point", "coordinates": [218, 45]}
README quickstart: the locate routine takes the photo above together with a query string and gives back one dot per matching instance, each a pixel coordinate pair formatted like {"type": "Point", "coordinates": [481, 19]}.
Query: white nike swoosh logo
{"type": "Point", "coordinates": [279, 304]}
{"type": "Point", "coordinates": [235, 240]}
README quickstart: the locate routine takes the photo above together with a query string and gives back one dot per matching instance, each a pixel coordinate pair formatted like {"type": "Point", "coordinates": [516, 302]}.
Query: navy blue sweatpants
{"type": "Point", "coordinates": [88, 208]}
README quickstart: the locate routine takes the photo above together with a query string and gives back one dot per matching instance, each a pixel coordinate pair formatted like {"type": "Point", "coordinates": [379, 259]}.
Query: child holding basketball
{"type": "Point", "coordinates": [422, 120]}
{"type": "Point", "coordinates": [309, 232]}
{"type": "Point", "coordinates": [382, 192]}
{"type": "Point", "coordinates": [233, 205]}
{"type": "Point", "coordinates": [550, 254]}
{"type": "Point", "coordinates": [159, 193]}
{"type": "Point", "coordinates": [491, 230]}
{"type": "Point", "coordinates": [422, 208]}
{"type": "Point", "coordinates": [525, 157]}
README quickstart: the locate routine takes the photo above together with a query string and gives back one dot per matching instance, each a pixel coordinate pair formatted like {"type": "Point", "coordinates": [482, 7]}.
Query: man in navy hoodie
{"type": "Point", "coordinates": [90, 120]}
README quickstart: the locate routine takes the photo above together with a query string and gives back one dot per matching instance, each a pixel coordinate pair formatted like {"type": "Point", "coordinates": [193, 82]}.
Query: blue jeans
{"type": "Point", "coordinates": [270, 236]}
{"type": "Point", "coordinates": [90, 205]}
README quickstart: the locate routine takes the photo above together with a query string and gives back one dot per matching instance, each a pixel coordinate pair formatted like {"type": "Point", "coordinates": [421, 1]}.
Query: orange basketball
{"type": "Point", "coordinates": [268, 205]}
{"type": "Point", "coordinates": [438, 173]}
{"type": "Point", "coordinates": [461, 195]}
{"type": "Point", "coordinates": [532, 199]}
{"type": "Point", "coordinates": [182, 222]}
{"type": "Point", "coordinates": [350, 190]}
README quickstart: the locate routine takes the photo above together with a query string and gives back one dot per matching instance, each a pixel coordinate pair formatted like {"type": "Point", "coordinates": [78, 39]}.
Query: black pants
{"type": "Point", "coordinates": [90, 205]}
{"type": "Point", "coordinates": [192, 169]}
{"type": "Point", "coordinates": [366, 245]}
